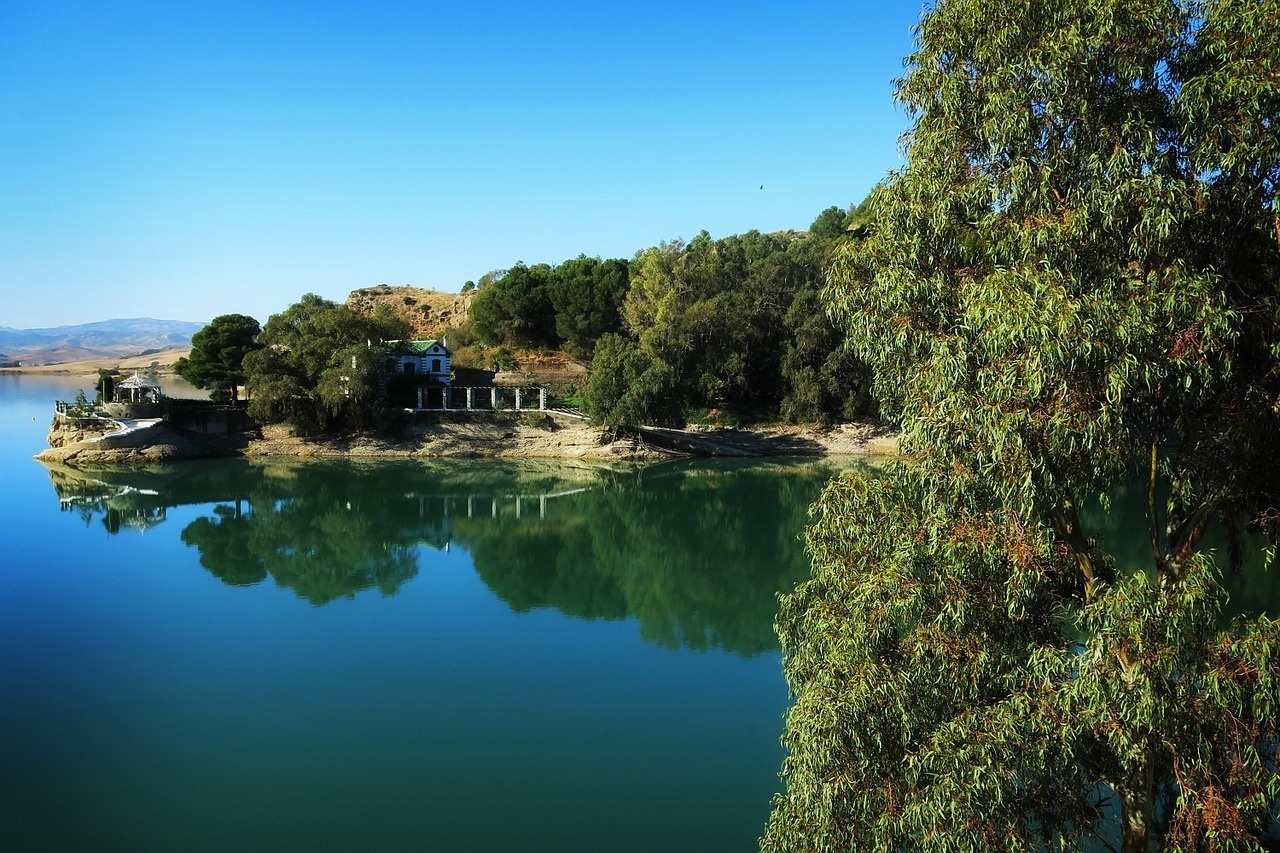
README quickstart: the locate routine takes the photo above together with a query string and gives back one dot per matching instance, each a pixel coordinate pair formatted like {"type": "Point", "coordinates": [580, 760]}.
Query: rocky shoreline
{"type": "Point", "coordinates": [90, 443]}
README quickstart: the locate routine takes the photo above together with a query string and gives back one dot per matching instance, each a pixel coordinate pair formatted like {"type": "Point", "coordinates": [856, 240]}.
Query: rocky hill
{"type": "Point", "coordinates": [430, 312]}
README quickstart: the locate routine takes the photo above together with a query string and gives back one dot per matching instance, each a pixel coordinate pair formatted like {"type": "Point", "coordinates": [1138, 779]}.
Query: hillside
{"type": "Point", "coordinates": [430, 312]}
{"type": "Point", "coordinates": [161, 360]}
{"type": "Point", "coordinates": [105, 340]}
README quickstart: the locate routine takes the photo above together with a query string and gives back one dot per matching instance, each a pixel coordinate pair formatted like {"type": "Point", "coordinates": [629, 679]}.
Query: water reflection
{"type": "Point", "coordinates": [696, 552]}
{"type": "Point", "coordinates": [1252, 586]}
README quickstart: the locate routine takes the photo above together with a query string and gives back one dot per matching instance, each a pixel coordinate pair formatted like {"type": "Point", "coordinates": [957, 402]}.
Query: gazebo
{"type": "Point", "coordinates": [138, 389]}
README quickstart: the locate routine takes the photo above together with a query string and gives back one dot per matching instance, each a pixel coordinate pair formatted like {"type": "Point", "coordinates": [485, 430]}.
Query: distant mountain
{"type": "Point", "coordinates": [104, 339]}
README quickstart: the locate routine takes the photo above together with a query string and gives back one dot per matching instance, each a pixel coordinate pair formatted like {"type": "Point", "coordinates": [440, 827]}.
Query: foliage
{"type": "Point", "coordinates": [587, 295]}
{"type": "Point", "coordinates": [733, 325]}
{"type": "Point", "coordinates": [516, 308]}
{"type": "Point", "coordinates": [503, 360]}
{"type": "Point", "coordinates": [105, 386]}
{"type": "Point", "coordinates": [1074, 277]}
{"type": "Point", "coordinates": [572, 304]}
{"type": "Point", "coordinates": [711, 312]}
{"type": "Point", "coordinates": [218, 352]}
{"type": "Point", "coordinates": [727, 324]}
{"type": "Point", "coordinates": [318, 365]}
{"type": "Point", "coordinates": [626, 389]}
{"type": "Point", "coordinates": [829, 224]}
{"type": "Point", "coordinates": [824, 381]}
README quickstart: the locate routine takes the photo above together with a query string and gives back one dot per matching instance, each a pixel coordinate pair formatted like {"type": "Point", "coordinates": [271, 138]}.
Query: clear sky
{"type": "Point", "coordinates": [180, 160]}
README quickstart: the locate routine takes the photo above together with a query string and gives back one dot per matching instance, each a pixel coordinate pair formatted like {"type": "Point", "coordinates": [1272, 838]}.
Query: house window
{"type": "Point", "coordinates": [409, 368]}
{"type": "Point", "coordinates": [391, 365]}
{"type": "Point", "coordinates": [435, 365]}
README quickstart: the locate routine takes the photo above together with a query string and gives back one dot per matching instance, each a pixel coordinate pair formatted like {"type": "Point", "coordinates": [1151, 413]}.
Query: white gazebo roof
{"type": "Point", "coordinates": [137, 380]}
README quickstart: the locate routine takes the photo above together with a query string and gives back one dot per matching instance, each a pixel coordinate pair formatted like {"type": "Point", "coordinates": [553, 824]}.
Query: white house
{"type": "Point", "coordinates": [428, 359]}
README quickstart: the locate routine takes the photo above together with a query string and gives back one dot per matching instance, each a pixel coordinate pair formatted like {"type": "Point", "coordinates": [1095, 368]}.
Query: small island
{"type": "Point", "coordinates": [572, 360]}
{"type": "Point", "coordinates": [188, 430]}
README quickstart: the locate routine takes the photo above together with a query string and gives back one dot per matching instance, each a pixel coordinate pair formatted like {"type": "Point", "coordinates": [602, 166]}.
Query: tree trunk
{"type": "Point", "coordinates": [1136, 796]}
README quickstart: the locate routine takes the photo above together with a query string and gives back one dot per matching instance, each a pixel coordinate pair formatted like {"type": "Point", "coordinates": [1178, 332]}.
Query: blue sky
{"type": "Point", "coordinates": [182, 160]}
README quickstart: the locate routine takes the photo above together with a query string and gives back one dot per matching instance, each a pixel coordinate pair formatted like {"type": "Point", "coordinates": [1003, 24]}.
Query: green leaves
{"type": "Point", "coordinates": [734, 325]}
{"type": "Point", "coordinates": [1077, 268]}
{"type": "Point", "coordinates": [218, 352]}
{"type": "Point", "coordinates": [316, 366]}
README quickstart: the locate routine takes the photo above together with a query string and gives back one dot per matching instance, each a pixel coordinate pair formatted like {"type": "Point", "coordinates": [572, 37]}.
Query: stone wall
{"type": "Point", "coordinates": [134, 410]}
{"type": "Point", "coordinates": [209, 420]}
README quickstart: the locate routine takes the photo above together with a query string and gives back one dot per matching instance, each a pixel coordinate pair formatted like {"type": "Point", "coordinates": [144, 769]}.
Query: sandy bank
{"type": "Point", "coordinates": [491, 436]}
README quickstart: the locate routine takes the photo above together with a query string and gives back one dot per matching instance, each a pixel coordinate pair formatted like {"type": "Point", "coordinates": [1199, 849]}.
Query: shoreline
{"type": "Point", "coordinates": [500, 436]}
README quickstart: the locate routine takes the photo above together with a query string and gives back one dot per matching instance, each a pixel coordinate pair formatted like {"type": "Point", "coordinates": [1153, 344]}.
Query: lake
{"type": "Point", "coordinates": [452, 655]}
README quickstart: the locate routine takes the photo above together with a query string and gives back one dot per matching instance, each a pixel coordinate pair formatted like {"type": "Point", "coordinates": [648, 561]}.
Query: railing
{"type": "Point", "coordinates": [76, 411]}
{"type": "Point", "coordinates": [489, 398]}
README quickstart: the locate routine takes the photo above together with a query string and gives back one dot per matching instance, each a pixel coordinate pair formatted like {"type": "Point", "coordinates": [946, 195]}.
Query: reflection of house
{"type": "Point", "coordinates": [138, 389]}
{"type": "Point", "coordinates": [136, 518]}
{"type": "Point", "coordinates": [426, 359]}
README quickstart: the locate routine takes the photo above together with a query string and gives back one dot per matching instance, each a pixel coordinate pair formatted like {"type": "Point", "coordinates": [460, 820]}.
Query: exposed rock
{"type": "Point", "coordinates": [528, 435]}
{"type": "Point", "coordinates": [430, 312]}
{"type": "Point", "coordinates": [64, 431]}
{"type": "Point", "coordinates": [104, 442]}
{"type": "Point", "coordinates": [493, 436]}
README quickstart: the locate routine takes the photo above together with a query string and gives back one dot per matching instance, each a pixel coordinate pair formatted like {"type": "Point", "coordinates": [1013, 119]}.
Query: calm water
{"type": "Point", "coordinates": [462, 656]}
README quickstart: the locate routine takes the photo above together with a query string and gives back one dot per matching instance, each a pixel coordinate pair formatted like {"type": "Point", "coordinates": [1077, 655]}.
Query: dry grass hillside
{"type": "Point", "coordinates": [160, 360]}
{"type": "Point", "coordinates": [430, 312]}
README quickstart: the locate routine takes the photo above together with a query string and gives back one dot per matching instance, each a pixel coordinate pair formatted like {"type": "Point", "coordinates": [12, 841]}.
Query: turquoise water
{"type": "Point", "coordinates": [328, 656]}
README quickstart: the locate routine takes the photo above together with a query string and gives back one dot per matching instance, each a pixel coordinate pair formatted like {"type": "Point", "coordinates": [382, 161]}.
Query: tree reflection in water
{"type": "Point", "coordinates": [695, 552]}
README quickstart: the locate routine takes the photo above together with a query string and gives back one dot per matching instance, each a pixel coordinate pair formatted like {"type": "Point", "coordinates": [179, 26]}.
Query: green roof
{"type": "Point", "coordinates": [420, 346]}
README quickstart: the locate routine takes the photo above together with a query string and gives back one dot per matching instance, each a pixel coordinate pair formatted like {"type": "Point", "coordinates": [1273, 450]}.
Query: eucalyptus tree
{"type": "Point", "coordinates": [1073, 281]}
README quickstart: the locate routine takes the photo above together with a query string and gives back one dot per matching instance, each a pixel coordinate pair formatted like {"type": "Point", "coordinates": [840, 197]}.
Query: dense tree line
{"type": "Point", "coordinates": [568, 306]}
{"type": "Point", "coordinates": [732, 326]}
